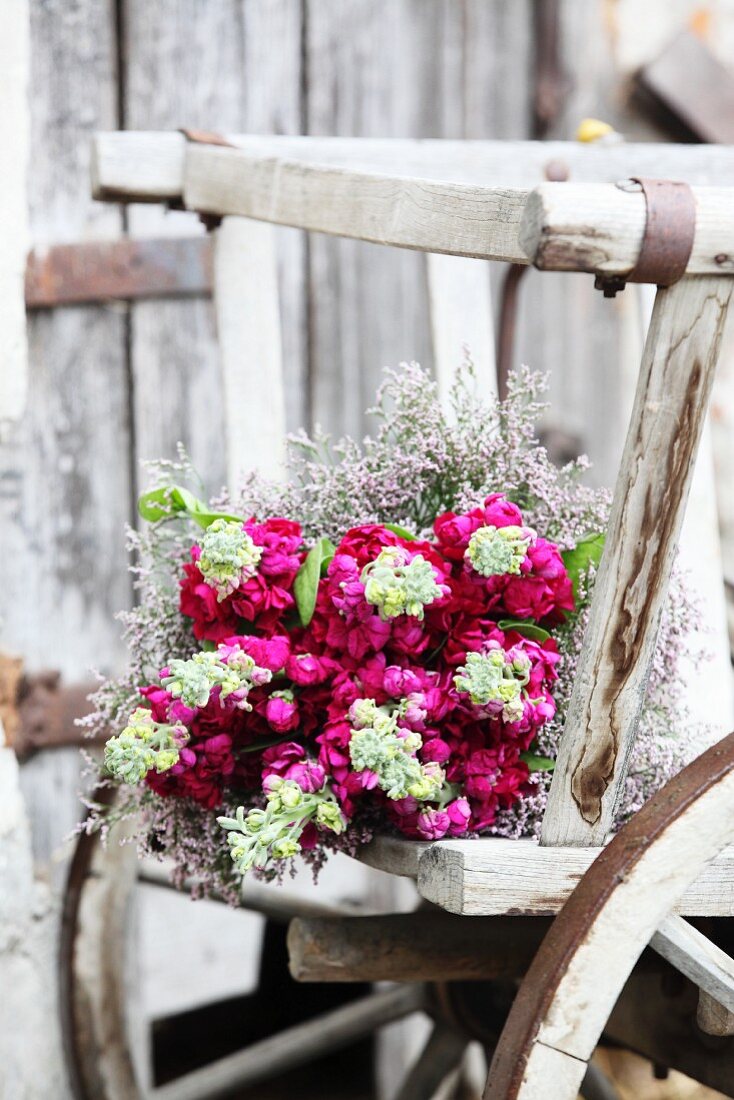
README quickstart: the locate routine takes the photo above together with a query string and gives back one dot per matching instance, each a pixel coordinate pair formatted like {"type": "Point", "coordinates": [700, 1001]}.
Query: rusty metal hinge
{"type": "Point", "coordinates": [670, 226]}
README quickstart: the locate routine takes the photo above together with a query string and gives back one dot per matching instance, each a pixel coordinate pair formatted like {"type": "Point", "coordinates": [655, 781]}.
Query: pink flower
{"type": "Point", "coordinates": [453, 532]}
{"type": "Point", "coordinates": [499, 512]}
{"type": "Point", "coordinates": [436, 750]}
{"type": "Point", "coordinates": [459, 815]}
{"type": "Point", "coordinates": [282, 713]}
{"type": "Point", "coordinates": [433, 824]}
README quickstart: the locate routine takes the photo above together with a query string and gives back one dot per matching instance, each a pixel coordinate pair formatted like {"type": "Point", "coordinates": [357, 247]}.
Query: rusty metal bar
{"type": "Point", "coordinates": [38, 711]}
{"type": "Point", "coordinates": [71, 274]}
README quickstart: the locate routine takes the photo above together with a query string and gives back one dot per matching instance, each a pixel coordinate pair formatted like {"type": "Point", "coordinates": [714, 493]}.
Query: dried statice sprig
{"type": "Point", "coordinates": [424, 459]}
{"type": "Point", "coordinates": [421, 461]}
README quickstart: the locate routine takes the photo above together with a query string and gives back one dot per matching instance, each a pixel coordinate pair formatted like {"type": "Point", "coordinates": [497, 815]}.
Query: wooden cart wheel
{"type": "Point", "coordinates": [620, 905]}
{"type": "Point", "coordinates": [98, 1026]}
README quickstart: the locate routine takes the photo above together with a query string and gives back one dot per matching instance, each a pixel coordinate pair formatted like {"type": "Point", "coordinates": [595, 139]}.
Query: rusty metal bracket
{"type": "Point", "coordinates": [38, 711]}
{"type": "Point", "coordinates": [122, 270]}
{"type": "Point", "coordinates": [670, 226]}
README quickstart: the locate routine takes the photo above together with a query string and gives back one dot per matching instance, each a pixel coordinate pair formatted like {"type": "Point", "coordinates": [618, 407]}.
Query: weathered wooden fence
{"type": "Point", "coordinates": [112, 383]}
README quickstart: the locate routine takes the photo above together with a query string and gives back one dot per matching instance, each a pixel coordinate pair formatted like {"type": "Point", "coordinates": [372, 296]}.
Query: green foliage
{"type": "Point", "coordinates": [586, 553]}
{"type": "Point", "coordinates": [306, 584]}
{"type": "Point", "coordinates": [526, 628]}
{"type": "Point", "coordinates": [171, 500]}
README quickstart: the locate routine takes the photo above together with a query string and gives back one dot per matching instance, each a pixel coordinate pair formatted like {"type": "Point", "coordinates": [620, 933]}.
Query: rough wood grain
{"type": "Point", "coordinates": [250, 348]}
{"type": "Point", "coordinates": [14, 143]}
{"type": "Point", "coordinates": [427, 215]}
{"type": "Point", "coordinates": [64, 467]}
{"type": "Point", "coordinates": [410, 947]}
{"type": "Point", "coordinates": [578, 974]}
{"type": "Point", "coordinates": [657, 466]}
{"type": "Point", "coordinates": [495, 876]}
{"type": "Point", "coordinates": [599, 228]}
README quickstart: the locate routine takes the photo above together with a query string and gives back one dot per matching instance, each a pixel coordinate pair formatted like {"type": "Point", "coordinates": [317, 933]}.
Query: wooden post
{"type": "Point", "coordinates": [657, 466]}
{"type": "Point", "coordinates": [460, 304]}
{"type": "Point", "coordinates": [248, 323]}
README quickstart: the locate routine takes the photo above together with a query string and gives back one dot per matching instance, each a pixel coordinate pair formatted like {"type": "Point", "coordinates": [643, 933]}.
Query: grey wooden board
{"type": "Point", "coordinates": [65, 470]}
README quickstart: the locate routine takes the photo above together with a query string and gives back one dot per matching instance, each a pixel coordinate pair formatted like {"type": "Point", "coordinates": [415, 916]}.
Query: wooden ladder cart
{"type": "Point", "coordinates": [588, 975]}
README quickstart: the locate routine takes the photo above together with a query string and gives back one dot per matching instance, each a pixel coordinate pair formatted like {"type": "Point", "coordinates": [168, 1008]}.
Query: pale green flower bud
{"type": "Point", "coordinates": [143, 745]}
{"type": "Point", "coordinates": [427, 787]}
{"type": "Point", "coordinates": [492, 678]}
{"type": "Point", "coordinates": [291, 795]}
{"type": "Point", "coordinates": [330, 816]}
{"type": "Point", "coordinates": [228, 558]}
{"type": "Point", "coordinates": [284, 848]}
{"type": "Point", "coordinates": [397, 586]}
{"type": "Point", "coordinates": [497, 551]}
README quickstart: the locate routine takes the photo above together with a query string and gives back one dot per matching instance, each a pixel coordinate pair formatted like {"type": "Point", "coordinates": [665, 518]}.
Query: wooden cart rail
{"type": "Point", "coordinates": [489, 200]}
{"type": "Point", "coordinates": [600, 228]}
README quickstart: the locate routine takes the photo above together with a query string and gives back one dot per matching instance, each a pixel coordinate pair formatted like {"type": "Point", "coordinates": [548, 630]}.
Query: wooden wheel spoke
{"type": "Point", "coordinates": [694, 955]}
{"type": "Point", "coordinates": [273, 903]}
{"type": "Point", "coordinates": [296, 1045]}
{"type": "Point", "coordinates": [441, 1054]}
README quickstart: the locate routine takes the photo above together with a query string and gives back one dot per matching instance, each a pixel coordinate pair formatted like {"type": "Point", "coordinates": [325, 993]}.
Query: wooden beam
{"type": "Point", "coordinates": [295, 1046]}
{"type": "Point", "coordinates": [431, 216]}
{"type": "Point", "coordinates": [673, 389]}
{"type": "Point", "coordinates": [250, 348]}
{"type": "Point", "coordinates": [140, 166]}
{"type": "Point", "coordinates": [412, 947]}
{"type": "Point", "coordinates": [702, 962]}
{"type": "Point", "coordinates": [495, 876]}
{"type": "Point", "coordinates": [599, 228]}
{"type": "Point", "coordinates": [95, 271]}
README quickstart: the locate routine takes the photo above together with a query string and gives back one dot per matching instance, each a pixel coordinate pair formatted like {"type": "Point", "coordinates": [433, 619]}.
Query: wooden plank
{"type": "Point", "coordinates": [14, 143]}
{"type": "Point", "coordinates": [586, 958]}
{"type": "Point", "coordinates": [428, 215]}
{"type": "Point", "coordinates": [460, 301]}
{"type": "Point", "coordinates": [440, 1056]}
{"type": "Point", "coordinates": [295, 1046]}
{"type": "Point", "coordinates": [494, 876]}
{"type": "Point", "coordinates": [410, 947]}
{"type": "Point", "coordinates": [142, 166]}
{"type": "Point", "coordinates": [599, 228]}
{"type": "Point", "coordinates": [694, 86]}
{"type": "Point", "coordinates": [91, 271]}
{"type": "Point", "coordinates": [694, 955]}
{"type": "Point", "coordinates": [394, 855]}
{"type": "Point", "coordinates": [670, 406]}
{"type": "Point", "coordinates": [251, 356]}
{"type": "Point", "coordinates": [65, 467]}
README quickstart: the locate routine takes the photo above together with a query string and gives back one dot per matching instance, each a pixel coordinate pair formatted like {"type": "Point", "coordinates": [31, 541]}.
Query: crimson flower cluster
{"type": "Point", "coordinates": [395, 674]}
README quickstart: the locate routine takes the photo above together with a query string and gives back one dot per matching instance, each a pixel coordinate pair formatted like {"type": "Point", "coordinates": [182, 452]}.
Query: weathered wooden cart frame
{"type": "Point", "coordinates": [477, 200]}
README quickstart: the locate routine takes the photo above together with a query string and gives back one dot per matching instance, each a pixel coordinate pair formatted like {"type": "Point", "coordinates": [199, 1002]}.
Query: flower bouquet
{"type": "Point", "coordinates": [385, 643]}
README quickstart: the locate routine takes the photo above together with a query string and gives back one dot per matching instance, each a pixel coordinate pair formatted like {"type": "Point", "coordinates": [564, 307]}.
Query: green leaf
{"type": "Point", "coordinates": [585, 553]}
{"type": "Point", "coordinates": [306, 585]}
{"type": "Point", "coordinates": [538, 763]}
{"type": "Point", "coordinates": [401, 532]}
{"type": "Point", "coordinates": [526, 628]}
{"type": "Point", "coordinates": [172, 499]}
{"type": "Point", "coordinates": [208, 646]}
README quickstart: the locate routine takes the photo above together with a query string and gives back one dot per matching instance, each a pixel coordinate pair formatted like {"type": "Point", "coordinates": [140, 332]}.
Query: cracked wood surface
{"type": "Point", "coordinates": [672, 395]}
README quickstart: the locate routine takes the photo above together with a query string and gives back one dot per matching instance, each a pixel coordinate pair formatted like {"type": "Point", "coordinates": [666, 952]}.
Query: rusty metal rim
{"type": "Point", "coordinates": [79, 872]}
{"type": "Point", "coordinates": [588, 899]}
